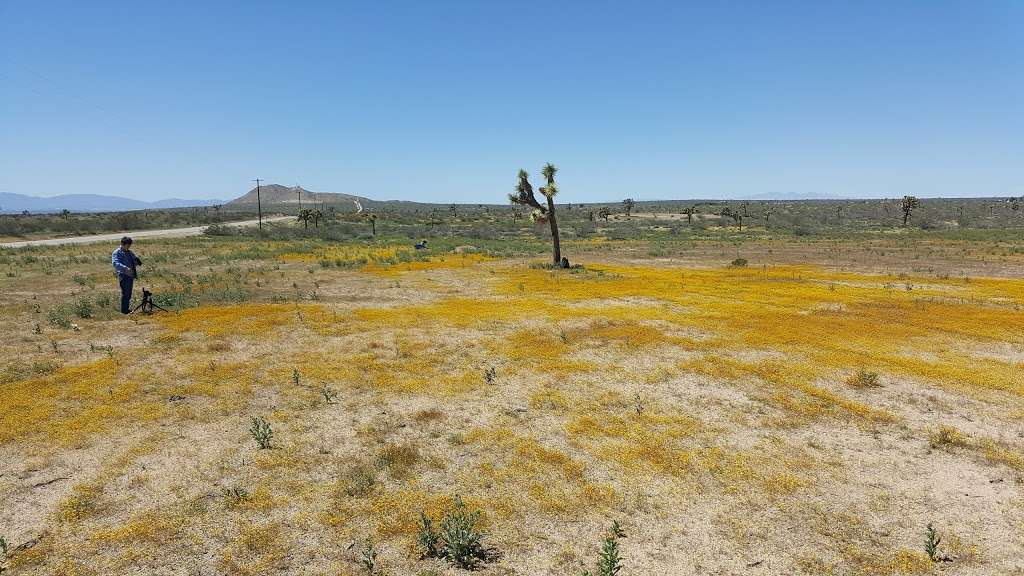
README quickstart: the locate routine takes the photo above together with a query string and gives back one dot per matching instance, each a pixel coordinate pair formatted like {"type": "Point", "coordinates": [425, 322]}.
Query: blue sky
{"type": "Point", "coordinates": [444, 101]}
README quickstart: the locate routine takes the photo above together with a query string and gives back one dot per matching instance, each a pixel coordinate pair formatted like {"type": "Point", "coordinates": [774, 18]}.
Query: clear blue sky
{"type": "Point", "coordinates": [444, 101]}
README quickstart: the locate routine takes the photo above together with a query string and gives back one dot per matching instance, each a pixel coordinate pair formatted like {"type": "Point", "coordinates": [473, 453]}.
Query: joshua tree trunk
{"type": "Point", "coordinates": [555, 243]}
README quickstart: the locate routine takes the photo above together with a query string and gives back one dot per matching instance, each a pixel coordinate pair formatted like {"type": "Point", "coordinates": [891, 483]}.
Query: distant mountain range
{"type": "Point", "coordinates": [793, 196]}
{"type": "Point", "coordinates": [17, 203]}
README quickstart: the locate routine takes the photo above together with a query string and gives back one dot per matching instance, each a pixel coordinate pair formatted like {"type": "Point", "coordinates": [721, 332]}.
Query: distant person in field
{"type": "Point", "coordinates": [125, 262]}
{"type": "Point", "coordinates": [422, 245]}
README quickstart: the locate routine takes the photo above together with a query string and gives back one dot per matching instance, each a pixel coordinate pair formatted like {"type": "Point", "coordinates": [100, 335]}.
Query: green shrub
{"type": "Point", "coordinates": [463, 540]}
{"type": "Point", "coordinates": [427, 537]}
{"type": "Point", "coordinates": [261, 432]}
{"type": "Point", "coordinates": [609, 563]}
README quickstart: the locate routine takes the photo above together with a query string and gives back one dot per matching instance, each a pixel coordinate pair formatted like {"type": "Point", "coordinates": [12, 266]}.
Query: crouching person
{"type": "Point", "coordinates": [125, 262]}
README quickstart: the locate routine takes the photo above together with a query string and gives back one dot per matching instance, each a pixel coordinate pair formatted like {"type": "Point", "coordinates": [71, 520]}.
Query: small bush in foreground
{"type": "Point", "coordinates": [261, 432]}
{"type": "Point", "coordinates": [931, 543]}
{"type": "Point", "coordinates": [369, 559]}
{"type": "Point", "coordinates": [863, 379]}
{"type": "Point", "coordinates": [947, 437]}
{"type": "Point", "coordinates": [610, 561]}
{"type": "Point", "coordinates": [460, 540]}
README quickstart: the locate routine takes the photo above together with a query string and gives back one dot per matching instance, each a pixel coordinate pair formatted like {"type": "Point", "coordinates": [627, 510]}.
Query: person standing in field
{"type": "Point", "coordinates": [125, 261]}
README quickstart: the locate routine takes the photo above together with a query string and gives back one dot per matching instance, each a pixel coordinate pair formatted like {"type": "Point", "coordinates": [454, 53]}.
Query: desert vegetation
{"type": "Point", "coordinates": [331, 400]}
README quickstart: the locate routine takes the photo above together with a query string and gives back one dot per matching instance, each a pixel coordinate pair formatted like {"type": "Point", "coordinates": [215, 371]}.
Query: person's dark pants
{"type": "Point", "coordinates": [126, 292]}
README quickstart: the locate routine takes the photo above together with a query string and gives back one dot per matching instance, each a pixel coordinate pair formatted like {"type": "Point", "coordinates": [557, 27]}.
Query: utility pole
{"type": "Point", "coordinates": [259, 203]}
{"type": "Point", "coordinates": [299, 190]}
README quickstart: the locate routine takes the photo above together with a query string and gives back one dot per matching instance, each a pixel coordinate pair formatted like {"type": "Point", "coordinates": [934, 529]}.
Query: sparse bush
{"type": "Point", "coordinates": [358, 481]}
{"type": "Point", "coordinates": [328, 393]}
{"type": "Point", "coordinates": [82, 308]}
{"type": "Point", "coordinates": [427, 537]}
{"type": "Point", "coordinates": [236, 496]}
{"type": "Point", "coordinates": [948, 436]}
{"type": "Point", "coordinates": [609, 563]}
{"type": "Point", "coordinates": [59, 317]}
{"type": "Point", "coordinates": [462, 538]}
{"type": "Point", "coordinates": [261, 432]}
{"type": "Point", "coordinates": [398, 459]}
{"type": "Point", "coordinates": [490, 375]}
{"type": "Point", "coordinates": [931, 543]}
{"type": "Point", "coordinates": [739, 263]}
{"type": "Point", "coordinates": [369, 558]}
{"type": "Point", "coordinates": [863, 379]}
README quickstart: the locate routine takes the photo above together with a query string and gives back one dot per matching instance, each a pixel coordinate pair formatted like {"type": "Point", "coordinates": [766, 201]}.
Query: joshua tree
{"type": "Point", "coordinates": [454, 210]}
{"type": "Point", "coordinates": [690, 211]}
{"type": "Point", "coordinates": [524, 196]}
{"type": "Point", "coordinates": [604, 212]}
{"type": "Point", "coordinates": [65, 213]}
{"type": "Point", "coordinates": [768, 211]}
{"type": "Point", "coordinates": [372, 219]}
{"type": "Point", "coordinates": [628, 204]}
{"type": "Point", "coordinates": [908, 205]}
{"type": "Point", "coordinates": [317, 216]}
{"type": "Point", "coordinates": [736, 216]}
{"type": "Point", "coordinates": [305, 215]}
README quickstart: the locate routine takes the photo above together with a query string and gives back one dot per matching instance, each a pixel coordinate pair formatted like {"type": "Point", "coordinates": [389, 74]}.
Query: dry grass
{"type": "Point", "coordinates": [784, 419]}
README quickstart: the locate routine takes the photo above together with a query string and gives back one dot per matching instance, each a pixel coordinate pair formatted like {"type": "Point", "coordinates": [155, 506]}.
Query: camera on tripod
{"type": "Point", "coordinates": [147, 305]}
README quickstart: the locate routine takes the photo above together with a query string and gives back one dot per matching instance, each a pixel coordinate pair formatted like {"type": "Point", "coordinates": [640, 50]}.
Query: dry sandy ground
{"type": "Point", "coordinates": [721, 446]}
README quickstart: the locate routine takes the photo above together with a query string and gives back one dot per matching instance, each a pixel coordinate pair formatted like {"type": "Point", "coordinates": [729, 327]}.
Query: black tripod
{"type": "Point", "coordinates": [147, 305]}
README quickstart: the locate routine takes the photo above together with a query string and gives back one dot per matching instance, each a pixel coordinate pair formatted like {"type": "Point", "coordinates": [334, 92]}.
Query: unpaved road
{"type": "Point", "coordinates": [165, 233]}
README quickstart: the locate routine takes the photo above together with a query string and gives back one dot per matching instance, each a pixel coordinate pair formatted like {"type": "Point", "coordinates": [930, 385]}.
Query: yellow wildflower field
{"type": "Point", "coordinates": [782, 418]}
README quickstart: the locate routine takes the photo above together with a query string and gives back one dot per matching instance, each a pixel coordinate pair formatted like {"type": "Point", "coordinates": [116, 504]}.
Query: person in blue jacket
{"type": "Point", "coordinates": [125, 262]}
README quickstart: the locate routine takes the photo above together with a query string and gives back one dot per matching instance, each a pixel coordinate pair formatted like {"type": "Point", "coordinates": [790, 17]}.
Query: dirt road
{"type": "Point", "coordinates": [165, 233]}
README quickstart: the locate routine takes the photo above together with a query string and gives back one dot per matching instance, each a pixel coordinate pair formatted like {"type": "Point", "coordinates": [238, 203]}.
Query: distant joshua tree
{"type": "Point", "coordinates": [767, 210]}
{"type": "Point", "coordinates": [372, 219]}
{"type": "Point", "coordinates": [65, 213]}
{"type": "Point", "coordinates": [628, 204]}
{"type": "Point", "coordinates": [736, 216]}
{"type": "Point", "coordinates": [690, 211]}
{"type": "Point", "coordinates": [305, 215]}
{"type": "Point", "coordinates": [317, 216]}
{"type": "Point", "coordinates": [907, 205]}
{"type": "Point", "coordinates": [524, 197]}
{"type": "Point", "coordinates": [604, 212]}
{"type": "Point", "coordinates": [454, 210]}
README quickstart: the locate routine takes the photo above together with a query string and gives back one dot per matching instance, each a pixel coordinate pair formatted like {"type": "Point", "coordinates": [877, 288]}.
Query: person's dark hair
{"type": "Point", "coordinates": [126, 240]}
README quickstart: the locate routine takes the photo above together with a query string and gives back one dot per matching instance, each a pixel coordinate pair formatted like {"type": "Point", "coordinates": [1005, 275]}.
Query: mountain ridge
{"type": "Point", "coordinates": [11, 203]}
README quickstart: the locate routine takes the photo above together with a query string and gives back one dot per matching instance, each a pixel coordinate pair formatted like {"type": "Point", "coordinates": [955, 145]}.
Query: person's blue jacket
{"type": "Point", "coordinates": [124, 262]}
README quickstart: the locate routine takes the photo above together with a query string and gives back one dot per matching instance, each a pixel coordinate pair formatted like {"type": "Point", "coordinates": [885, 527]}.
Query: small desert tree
{"type": "Point", "coordinates": [907, 206]}
{"type": "Point", "coordinates": [372, 219]}
{"type": "Point", "coordinates": [689, 211]}
{"type": "Point", "coordinates": [768, 210]}
{"type": "Point", "coordinates": [736, 215]}
{"type": "Point", "coordinates": [523, 196]}
{"type": "Point", "coordinates": [305, 215]}
{"type": "Point", "coordinates": [65, 213]}
{"type": "Point", "coordinates": [628, 204]}
{"type": "Point", "coordinates": [604, 212]}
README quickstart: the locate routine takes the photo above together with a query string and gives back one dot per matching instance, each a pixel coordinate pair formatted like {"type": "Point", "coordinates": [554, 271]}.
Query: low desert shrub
{"type": "Point", "coordinates": [261, 432]}
{"type": "Point", "coordinates": [609, 562]}
{"type": "Point", "coordinates": [459, 540]}
{"type": "Point", "coordinates": [948, 437]}
{"type": "Point", "coordinates": [863, 379]}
